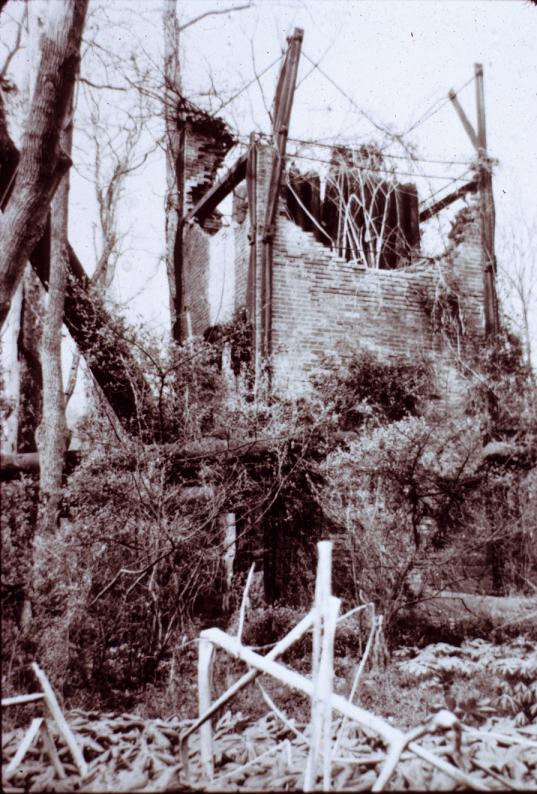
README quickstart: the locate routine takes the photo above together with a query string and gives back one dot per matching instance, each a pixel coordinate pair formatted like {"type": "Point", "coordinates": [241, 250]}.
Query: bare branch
{"type": "Point", "coordinates": [17, 45]}
{"type": "Point", "coordinates": [260, 86]}
{"type": "Point", "coordinates": [214, 12]}
{"type": "Point", "coordinates": [102, 85]}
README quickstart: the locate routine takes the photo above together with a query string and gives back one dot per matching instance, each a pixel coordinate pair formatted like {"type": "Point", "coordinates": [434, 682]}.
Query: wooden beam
{"type": "Point", "coordinates": [11, 466]}
{"type": "Point", "coordinates": [492, 320]}
{"type": "Point", "coordinates": [438, 206]}
{"type": "Point", "coordinates": [283, 102]}
{"type": "Point", "coordinates": [464, 119]}
{"type": "Point", "coordinates": [480, 104]}
{"type": "Point", "coordinates": [207, 448]}
{"type": "Point", "coordinates": [212, 198]}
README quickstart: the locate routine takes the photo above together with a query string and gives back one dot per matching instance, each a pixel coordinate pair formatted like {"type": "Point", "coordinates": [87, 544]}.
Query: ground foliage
{"type": "Point", "coordinates": [507, 673]}
{"type": "Point", "coordinates": [128, 753]}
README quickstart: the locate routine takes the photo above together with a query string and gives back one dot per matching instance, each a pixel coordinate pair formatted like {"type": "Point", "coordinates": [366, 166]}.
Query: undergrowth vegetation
{"type": "Point", "coordinates": [480, 678]}
{"type": "Point", "coordinates": [141, 560]}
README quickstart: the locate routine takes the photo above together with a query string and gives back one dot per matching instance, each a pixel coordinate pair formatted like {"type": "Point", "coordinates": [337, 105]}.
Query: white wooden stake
{"type": "Point", "coordinates": [323, 588]}
{"type": "Point", "coordinates": [358, 675]}
{"type": "Point", "coordinates": [326, 676]}
{"type": "Point", "coordinates": [61, 722]}
{"type": "Point", "coordinates": [323, 591]}
{"type": "Point", "coordinates": [244, 602]}
{"type": "Point", "coordinates": [205, 654]}
{"type": "Point", "coordinates": [50, 748]}
{"type": "Point", "coordinates": [230, 550]}
{"type": "Point", "coordinates": [188, 317]}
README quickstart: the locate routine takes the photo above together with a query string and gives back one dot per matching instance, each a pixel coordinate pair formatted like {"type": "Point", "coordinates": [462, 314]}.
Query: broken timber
{"type": "Point", "coordinates": [283, 102]}
{"type": "Point", "coordinates": [486, 200]}
{"type": "Point", "coordinates": [438, 206]}
{"type": "Point", "coordinates": [492, 321]}
{"type": "Point", "coordinates": [212, 198]}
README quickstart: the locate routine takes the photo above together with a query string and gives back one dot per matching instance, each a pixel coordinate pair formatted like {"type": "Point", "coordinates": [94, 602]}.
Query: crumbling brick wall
{"type": "Point", "coordinates": [196, 253]}
{"type": "Point", "coordinates": [207, 141]}
{"type": "Point", "coordinates": [322, 304]}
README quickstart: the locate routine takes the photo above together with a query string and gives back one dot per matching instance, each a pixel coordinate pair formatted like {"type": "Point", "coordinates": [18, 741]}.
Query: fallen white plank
{"type": "Point", "coordinates": [297, 681]}
{"type": "Point", "coordinates": [61, 722]}
{"type": "Point", "coordinates": [18, 700]}
{"type": "Point", "coordinates": [24, 746]}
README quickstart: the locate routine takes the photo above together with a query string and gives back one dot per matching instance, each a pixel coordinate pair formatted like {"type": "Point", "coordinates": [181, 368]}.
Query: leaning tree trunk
{"type": "Point", "coordinates": [42, 163]}
{"type": "Point", "coordinates": [175, 175]}
{"type": "Point", "coordinates": [100, 339]}
{"type": "Point", "coordinates": [23, 230]}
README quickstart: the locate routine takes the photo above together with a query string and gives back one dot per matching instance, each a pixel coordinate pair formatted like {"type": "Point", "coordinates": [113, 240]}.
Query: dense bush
{"type": "Point", "coordinates": [364, 387]}
{"type": "Point", "coordinates": [414, 501]}
{"type": "Point", "coordinates": [396, 493]}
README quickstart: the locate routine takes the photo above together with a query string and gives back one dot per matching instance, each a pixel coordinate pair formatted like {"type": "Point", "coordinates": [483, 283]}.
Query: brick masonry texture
{"type": "Point", "coordinates": [323, 304]}
{"type": "Point", "coordinates": [196, 277]}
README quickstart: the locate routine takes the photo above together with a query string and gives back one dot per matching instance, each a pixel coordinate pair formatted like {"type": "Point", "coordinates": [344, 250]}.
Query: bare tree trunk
{"type": "Point", "coordinates": [174, 205]}
{"type": "Point", "coordinates": [41, 164]}
{"type": "Point", "coordinates": [53, 429]}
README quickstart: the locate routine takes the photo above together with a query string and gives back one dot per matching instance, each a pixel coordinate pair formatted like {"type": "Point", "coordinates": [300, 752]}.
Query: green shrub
{"type": "Point", "coordinates": [365, 387]}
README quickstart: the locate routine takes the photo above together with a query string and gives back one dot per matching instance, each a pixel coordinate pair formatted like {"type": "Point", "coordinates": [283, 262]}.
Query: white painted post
{"type": "Point", "coordinates": [188, 317]}
{"type": "Point", "coordinates": [205, 654]}
{"type": "Point", "coordinates": [230, 537]}
{"type": "Point", "coordinates": [326, 678]}
{"type": "Point", "coordinates": [323, 587]}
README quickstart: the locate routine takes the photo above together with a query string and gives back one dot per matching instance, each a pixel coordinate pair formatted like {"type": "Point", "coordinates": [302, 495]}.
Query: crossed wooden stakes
{"type": "Point", "coordinates": [39, 728]}
{"type": "Point", "coordinates": [323, 619]}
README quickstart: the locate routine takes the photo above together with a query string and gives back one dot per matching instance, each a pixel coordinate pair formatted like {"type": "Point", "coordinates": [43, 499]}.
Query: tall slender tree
{"type": "Point", "coordinates": [174, 131]}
